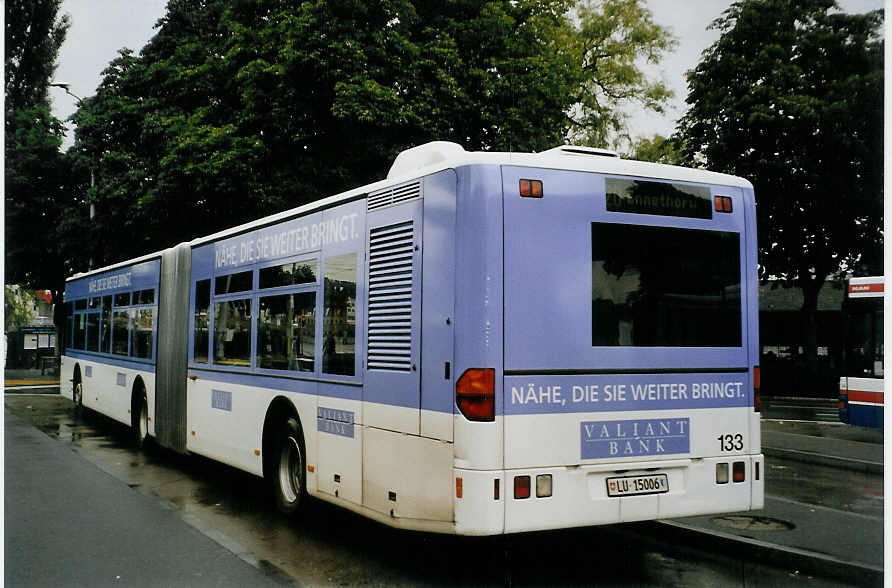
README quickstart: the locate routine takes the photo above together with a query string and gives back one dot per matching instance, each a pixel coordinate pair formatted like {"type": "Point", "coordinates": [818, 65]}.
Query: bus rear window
{"type": "Point", "coordinates": [665, 287]}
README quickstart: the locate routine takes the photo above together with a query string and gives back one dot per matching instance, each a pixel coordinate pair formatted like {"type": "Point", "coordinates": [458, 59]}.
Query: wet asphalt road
{"type": "Point", "coordinates": [331, 546]}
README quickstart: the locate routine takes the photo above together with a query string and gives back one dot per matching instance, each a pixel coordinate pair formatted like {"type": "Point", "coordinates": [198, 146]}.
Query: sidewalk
{"type": "Point", "coordinates": [28, 377]}
{"type": "Point", "coordinates": [841, 446]}
{"type": "Point", "coordinates": [822, 540]}
{"type": "Point", "coordinates": [64, 516]}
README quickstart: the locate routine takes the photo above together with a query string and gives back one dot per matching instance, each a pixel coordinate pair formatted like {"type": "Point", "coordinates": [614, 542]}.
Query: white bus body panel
{"type": "Point", "coordinates": [108, 388]}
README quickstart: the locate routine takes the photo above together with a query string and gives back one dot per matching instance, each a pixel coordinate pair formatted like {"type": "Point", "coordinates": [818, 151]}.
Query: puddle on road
{"type": "Point", "coordinates": [753, 523]}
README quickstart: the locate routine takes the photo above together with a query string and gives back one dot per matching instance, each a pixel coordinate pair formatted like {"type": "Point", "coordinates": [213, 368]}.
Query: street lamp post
{"type": "Point", "coordinates": [80, 102]}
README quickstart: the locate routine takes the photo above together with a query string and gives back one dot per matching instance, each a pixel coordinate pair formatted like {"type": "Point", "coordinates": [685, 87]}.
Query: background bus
{"type": "Point", "coordinates": [482, 343]}
{"type": "Point", "coordinates": [861, 390]}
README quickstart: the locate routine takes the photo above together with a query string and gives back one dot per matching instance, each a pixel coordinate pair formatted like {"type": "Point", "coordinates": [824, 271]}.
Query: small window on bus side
{"type": "Point", "coordinates": [200, 321]}
{"type": "Point", "coordinates": [302, 272]}
{"type": "Point", "coordinates": [232, 333]}
{"type": "Point", "coordinates": [230, 283]}
{"type": "Point", "coordinates": [94, 302]}
{"type": "Point", "coordinates": [122, 299]}
{"type": "Point", "coordinates": [339, 323]}
{"type": "Point", "coordinates": [286, 332]}
{"type": "Point", "coordinates": [144, 297]}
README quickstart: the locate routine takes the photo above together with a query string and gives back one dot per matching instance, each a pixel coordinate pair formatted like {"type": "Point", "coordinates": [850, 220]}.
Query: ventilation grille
{"type": "Point", "coordinates": [391, 251]}
{"type": "Point", "coordinates": [396, 195]}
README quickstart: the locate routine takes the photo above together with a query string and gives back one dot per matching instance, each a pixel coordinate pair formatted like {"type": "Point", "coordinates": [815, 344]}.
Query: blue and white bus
{"type": "Point", "coordinates": [861, 389]}
{"type": "Point", "coordinates": [482, 343]}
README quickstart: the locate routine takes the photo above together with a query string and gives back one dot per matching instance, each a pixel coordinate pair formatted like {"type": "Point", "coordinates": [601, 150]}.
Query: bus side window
{"type": "Point", "coordinates": [105, 333]}
{"type": "Point", "coordinates": [232, 332]}
{"type": "Point", "coordinates": [141, 323]}
{"type": "Point", "coordinates": [69, 324]}
{"type": "Point", "coordinates": [200, 340]}
{"type": "Point", "coordinates": [80, 331]}
{"type": "Point", "coordinates": [339, 318]}
{"type": "Point", "coordinates": [120, 331]}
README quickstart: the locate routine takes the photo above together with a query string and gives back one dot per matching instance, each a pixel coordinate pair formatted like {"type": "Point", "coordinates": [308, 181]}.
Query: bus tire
{"type": "Point", "coordinates": [140, 417]}
{"type": "Point", "coordinates": [289, 477]}
{"type": "Point", "coordinates": [77, 392]}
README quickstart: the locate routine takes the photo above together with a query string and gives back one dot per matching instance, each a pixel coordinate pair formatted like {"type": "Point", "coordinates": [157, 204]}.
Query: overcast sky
{"type": "Point", "coordinates": [99, 28]}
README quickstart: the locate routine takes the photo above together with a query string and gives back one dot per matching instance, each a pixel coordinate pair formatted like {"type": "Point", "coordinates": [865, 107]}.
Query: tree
{"type": "Point", "coordinates": [791, 97]}
{"type": "Point", "coordinates": [34, 33]}
{"type": "Point", "coordinates": [613, 37]}
{"type": "Point", "coordinates": [39, 205]}
{"type": "Point", "coordinates": [657, 149]}
{"type": "Point", "coordinates": [18, 305]}
{"type": "Point", "coordinates": [235, 110]}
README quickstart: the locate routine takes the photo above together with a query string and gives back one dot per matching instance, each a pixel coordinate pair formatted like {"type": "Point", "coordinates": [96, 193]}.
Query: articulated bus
{"type": "Point", "coordinates": [482, 343]}
{"type": "Point", "coordinates": [861, 389]}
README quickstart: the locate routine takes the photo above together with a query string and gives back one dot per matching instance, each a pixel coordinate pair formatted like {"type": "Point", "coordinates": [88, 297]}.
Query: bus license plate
{"type": "Point", "coordinates": [634, 485]}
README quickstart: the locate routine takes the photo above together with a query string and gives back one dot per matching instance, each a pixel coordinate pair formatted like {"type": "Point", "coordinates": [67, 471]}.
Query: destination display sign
{"type": "Point", "coordinates": [660, 198]}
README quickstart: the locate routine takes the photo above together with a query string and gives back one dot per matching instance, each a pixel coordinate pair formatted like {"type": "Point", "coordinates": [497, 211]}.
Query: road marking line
{"type": "Point", "coordinates": [833, 423]}
{"type": "Point", "coordinates": [820, 507]}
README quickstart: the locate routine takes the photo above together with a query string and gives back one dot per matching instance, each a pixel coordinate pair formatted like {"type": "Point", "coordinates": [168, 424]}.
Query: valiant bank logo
{"type": "Point", "coordinates": [631, 438]}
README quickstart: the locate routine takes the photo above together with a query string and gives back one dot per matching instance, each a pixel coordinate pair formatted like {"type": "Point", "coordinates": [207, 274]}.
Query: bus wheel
{"type": "Point", "coordinates": [141, 420]}
{"type": "Point", "coordinates": [77, 394]}
{"type": "Point", "coordinates": [289, 468]}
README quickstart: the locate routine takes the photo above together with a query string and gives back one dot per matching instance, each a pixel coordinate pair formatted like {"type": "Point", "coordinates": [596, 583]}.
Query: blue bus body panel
{"type": "Point", "coordinates": [478, 261]}
{"type": "Point", "coordinates": [548, 279]}
{"type": "Point", "coordinates": [141, 276]}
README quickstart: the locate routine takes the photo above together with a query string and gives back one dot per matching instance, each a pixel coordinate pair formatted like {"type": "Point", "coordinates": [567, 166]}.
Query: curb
{"type": "Point", "coordinates": [802, 560]}
{"type": "Point", "coordinates": [846, 463]}
{"type": "Point", "coordinates": [29, 383]}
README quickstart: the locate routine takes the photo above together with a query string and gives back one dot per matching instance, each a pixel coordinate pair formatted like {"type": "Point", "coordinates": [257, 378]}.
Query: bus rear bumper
{"type": "Point", "coordinates": [579, 495]}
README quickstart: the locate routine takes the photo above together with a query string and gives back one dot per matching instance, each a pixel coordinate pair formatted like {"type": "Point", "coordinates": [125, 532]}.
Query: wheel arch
{"type": "Point", "coordinates": [280, 409]}
{"type": "Point", "coordinates": [139, 387]}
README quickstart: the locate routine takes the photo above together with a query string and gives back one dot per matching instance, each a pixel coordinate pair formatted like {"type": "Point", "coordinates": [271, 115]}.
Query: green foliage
{"type": "Point", "coordinates": [41, 209]}
{"type": "Point", "coordinates": [613, 37]}
{"type": "Point", "coordinates": [791, 97]}
{"type": "Point", "coordinates": [235, 110]}
{"type": "Point", "coordinates": [18, 305]}
{"type": "Point", "coordinates": [657, 149]}
{"type": "Point", "coordinates": [33, 37]}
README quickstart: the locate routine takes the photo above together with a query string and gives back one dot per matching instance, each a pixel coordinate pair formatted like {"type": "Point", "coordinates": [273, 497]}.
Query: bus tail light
{"type": "Point", "coordinates": [530, 188]}
{"type": "Point", "coordinates": [757, 385]}
{"type": "Point", "coordinates": [521, 487]}
{"type": "Point", "coordinates": [738, 471]}
{"type": "Point", "coordinates": [475, 394]}
{"type": "Point", "coordinates": [723, 204]}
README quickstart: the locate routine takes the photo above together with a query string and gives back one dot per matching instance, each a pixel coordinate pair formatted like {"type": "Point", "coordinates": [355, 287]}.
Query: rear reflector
{"type": "Point", "coordinates": [521, 487]}
{"type": "Point", "coordinates": [739, 471]}
{"type": "Point", "coordinates": [475, 394]}
{"type": "Point", "coordinates": [458, 488]}
{"type": "Point", "coordinates": [757, 385]}
{"type": "Point", "coordinates": [721, 473]}
{"type": "Point", "coordinates": [495, 489]}
{"type": "Point", "coordinates": [757, 471]}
